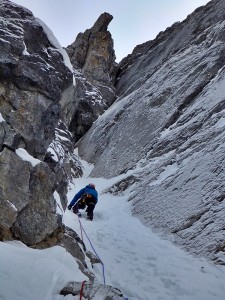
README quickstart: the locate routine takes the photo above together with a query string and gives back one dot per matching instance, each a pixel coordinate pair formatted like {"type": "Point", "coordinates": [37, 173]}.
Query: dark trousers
{"type": "Point", "coordinates": [82, 203]}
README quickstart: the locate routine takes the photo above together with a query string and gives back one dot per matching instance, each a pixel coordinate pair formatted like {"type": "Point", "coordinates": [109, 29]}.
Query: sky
{"type": "Point", "coordinates": [134, 22]}
{"type": "Point", "coordinates": [139, 262]}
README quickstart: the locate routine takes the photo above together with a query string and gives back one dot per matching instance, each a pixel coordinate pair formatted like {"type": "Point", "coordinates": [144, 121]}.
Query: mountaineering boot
{"type": "Point", "coordinates": [75, 209]}
{"type": "Point", "coordinates": [90, 210]}
{"type": "Point", "coordinates": [89, 217]}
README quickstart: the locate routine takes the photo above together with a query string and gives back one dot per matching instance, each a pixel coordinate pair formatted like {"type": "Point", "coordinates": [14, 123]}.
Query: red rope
{"type": "Point", "coordinates": [81, 291]}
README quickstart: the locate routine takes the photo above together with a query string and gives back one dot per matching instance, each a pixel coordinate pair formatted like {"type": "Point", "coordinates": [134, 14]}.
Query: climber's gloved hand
{"type": "Point", "coordinates": [69, 207]}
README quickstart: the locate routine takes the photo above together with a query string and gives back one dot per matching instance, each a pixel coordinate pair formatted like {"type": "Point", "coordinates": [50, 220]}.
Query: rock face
{"type": "Point", "coordinates": [93, 53]}
{"type": "Point", "coordinates": [36, 148]}
{"type": "Point", "coordinates": [93, 57]}
{"type": "Point", "coordinates": [33, 77]}
{"type": "Point", "coordinates": [166, 131]}
{"type": "Point", "coordinates": [89, 105]}
{"type": "Point", "coordinates": [62, 162]}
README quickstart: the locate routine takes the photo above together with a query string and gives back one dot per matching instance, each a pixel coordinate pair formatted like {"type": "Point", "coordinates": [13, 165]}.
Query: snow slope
{"type": "Point", "coordinates": [30, 274]}
{"type": "Point", "coordinates": [136, 260]}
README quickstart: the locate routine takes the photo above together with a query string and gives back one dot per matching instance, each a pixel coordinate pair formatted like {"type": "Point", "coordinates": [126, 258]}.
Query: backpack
{"type": "Point", "coordinates": [87, 199]}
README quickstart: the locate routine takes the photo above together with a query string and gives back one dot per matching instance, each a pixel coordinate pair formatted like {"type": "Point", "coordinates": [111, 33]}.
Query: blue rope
{"type": "Point", "coordinates": [103, 267]}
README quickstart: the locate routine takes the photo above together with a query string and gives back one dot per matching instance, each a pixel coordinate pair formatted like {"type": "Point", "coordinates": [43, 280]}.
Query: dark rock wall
{"type": "Point", "coordinates": [33, 78]}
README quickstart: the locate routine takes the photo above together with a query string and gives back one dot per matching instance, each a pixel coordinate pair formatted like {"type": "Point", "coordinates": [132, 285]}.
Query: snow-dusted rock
{"type": "Point", "coordinates": [36, 148]}
{"type": "Point", "coordinates": [166, 130]}
{"type": "Point", "coordinates": [93, 57]}
{"type": "Point", "coordinates": [35, 74]}
{"type": "Point", "coordinates": [28, 209]}
{"type": "Point", "coordinates": [30, 55]}
{"type": "Point", "coordinates": [89, 104]}
{"type": "Point", "coordinates": [62, 161]}
{"type": "Point", "coordinates": [13, 198]}
{"type": "Point", "coordinates": [93, 53]}
{"type": "Point", "coordinates": [92, 290]}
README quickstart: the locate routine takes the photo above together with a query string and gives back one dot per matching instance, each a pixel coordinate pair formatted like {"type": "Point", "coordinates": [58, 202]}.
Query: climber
{"type": "Point", "coordinates": [88, 196]}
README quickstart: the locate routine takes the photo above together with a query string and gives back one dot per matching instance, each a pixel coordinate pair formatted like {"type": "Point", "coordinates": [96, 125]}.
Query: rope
{"type": "Point", "coordinates": [81, 231]}
{"type": "Point", "coordinates": [82, 288]}
{"type": "Point", "coordinates": [103, 267]}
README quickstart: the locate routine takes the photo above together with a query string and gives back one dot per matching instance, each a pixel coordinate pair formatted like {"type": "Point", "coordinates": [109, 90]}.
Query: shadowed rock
{"type": "Point", "coordinates": [93, 57]}
{"type": "Point", "coordinates": [33, 77]}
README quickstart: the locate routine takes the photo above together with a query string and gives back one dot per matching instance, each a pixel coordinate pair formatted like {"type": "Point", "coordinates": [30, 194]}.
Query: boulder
{"type": "Point", "coordinates": [14, 189]}
{"type": "Point", "coordinates": [92, 289]}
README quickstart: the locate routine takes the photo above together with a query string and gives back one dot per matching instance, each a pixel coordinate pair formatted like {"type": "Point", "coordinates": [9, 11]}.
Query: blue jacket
{"type": "Point", "coordinates": [87, 190]}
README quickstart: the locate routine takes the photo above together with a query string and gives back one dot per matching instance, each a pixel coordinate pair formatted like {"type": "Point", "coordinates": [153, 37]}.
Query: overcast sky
{"type": "Point", "coordinates": [134, 22]}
